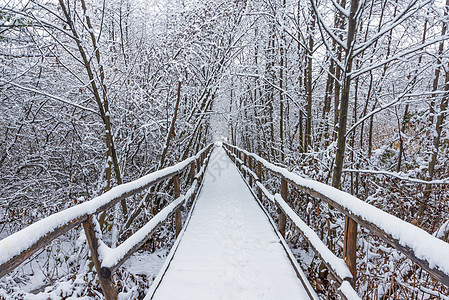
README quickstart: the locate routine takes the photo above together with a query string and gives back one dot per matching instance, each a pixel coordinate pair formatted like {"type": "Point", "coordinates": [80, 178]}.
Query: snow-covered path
{"type": "Point", "coordinates": [229, 249]}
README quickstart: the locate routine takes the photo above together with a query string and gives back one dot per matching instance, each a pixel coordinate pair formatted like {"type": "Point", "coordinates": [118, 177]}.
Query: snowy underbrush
{"type": "Point", "coordinates": [63, 270]}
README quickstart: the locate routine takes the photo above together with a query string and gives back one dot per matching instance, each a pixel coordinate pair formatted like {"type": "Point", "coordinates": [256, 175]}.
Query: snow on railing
{"type": "Point", "coordinates": [429, 252]}
{"type": "Point", "coordinates": [21, 245]}
{"type": "Point", "coordinates": [335, 265]}
{"type": "Point", "coordinates": [113, 258]}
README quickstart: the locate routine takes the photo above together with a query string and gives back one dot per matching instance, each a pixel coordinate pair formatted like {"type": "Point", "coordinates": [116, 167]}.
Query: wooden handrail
{"type": "Point", "coordinates": [335, 265]}
{"type": "Point", "coordinates": [347, 204]}
{"type": "Point", "coordinates": [19, 246]}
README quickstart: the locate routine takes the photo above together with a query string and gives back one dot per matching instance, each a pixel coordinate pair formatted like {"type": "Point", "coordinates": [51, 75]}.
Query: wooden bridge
{"type": "Point", "coordinates": [230, 247]}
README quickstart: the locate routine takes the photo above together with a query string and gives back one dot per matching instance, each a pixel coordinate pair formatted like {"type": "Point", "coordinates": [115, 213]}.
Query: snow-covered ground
{"type": "Point", "coordinates": [229, 249]}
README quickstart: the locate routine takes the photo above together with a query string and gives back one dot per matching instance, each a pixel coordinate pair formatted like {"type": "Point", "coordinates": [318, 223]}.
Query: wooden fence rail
{"type": "Point", "coordinates": [20, 246]}
{"type": "Point", "coordinates": [336, 266]}
{"type": "Point", "coordinates": [416, 244]}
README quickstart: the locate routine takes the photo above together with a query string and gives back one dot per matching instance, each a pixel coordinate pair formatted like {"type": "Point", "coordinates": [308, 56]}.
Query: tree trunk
{"type": "Point", "coordinates": [308, 134]}
{"type": "Point", "coordinates": [344, 101]}
{"type": "Point", "coordinates": [327, 103]}
{"type": "Point", "coordinates": [171, 132]}
{"type": "Point", "coordinates": [102, 104]}
{"type": "Point", "coordinates": [281, 96]}
{"type": "Point", "coordinates": [350, 232]}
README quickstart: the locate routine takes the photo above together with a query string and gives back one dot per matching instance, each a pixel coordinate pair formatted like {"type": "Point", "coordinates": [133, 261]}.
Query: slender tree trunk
{"type": "Point", "coordinates": [350, 230]}
{"type": "Point", "coordinates": [339, 23]}
{"type": "Point", "coordinates": [401, 139]}
{"type": "Point", "coordinates": [406, 116]}
{"type": "Point", "coordinates": [171, 132]}
{"type": "Point", "coordinates": [344, 104]}
{"type": "Point", "coordinates": [327, 102]}
{"type": "Point", "coordinates": [439, 122]}
{"type": "Point", "coordinates": [281, 95]}
{"type": "Point", "coordinates": [365, 109]}
{"type": "Point", "coordinates": [308, 134]}
{"type": "Point", "coordinates": [103, 105]}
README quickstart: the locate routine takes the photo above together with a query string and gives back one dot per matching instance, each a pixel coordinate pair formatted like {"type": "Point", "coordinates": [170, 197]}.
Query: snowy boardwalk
{"type": "Point", "coordinates": [229, 249]}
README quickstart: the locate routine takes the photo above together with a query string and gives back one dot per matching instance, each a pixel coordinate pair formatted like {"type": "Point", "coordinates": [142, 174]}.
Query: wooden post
{"type": "Point", "coordinates": [198, 165]}
{"type": "Point", "coordinates": [350, 247]}
{"type": "Point", "coordinates": [240, 160]}
{"type": "Point", "coordinates": [192, 172]}
{"type": "Point", "coordinates": [250, 168]}
{"type": "Point", "coordinates": [244, 164]}
{"type": "Point", "coordinates": [282, 218]}
{"type": "Point", "coordinates": [237, 157]}
{"type": "Point", "coordinates": [104, 274]}
{"type": "Point", "coordinates": [259, 175]}
{"type": "Point", "coordinates": [176, 193]}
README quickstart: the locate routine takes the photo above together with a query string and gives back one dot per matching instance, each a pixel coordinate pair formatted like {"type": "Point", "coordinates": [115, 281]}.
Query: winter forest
{"type": "Point", "coordinates": [94, 94]}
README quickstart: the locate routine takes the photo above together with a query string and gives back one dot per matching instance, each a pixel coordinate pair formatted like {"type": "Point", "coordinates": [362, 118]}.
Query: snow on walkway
{"type": "Point", "coordinates": [229, 249]}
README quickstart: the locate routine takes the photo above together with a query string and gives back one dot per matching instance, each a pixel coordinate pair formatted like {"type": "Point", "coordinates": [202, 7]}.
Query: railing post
{"type": "Point", "coordinates": [244, 164]}
{"type": "Point", "coordinates": [104, 274]}
{"type": "Point", "coordinates": [192, 172]}
{"type": "Point", "coordinates": [282, 218]}
{"type": "Point", "coordinates": [259, 175]}
{"type": "Point", "coordinates": [237, 157]}
{"type": "Point", "coordinates": [350, 247]}
{"type": "Point", "coordinates": [198, 165]}
{"type": "Point", "coordinates": [240, 160]}
{"type": "Point", "coordinates": [249, 167]}
{"type": "Point", "coordinates": [176, 193]}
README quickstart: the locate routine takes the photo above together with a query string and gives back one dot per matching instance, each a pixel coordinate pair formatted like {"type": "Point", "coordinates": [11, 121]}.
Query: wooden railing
{"type": "Point", "coordinates": [430, 253]}
{"type": "Point", "coordinates": [20, 246]}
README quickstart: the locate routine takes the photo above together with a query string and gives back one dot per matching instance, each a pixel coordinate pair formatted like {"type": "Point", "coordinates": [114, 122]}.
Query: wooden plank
{"type": "Point", "coordinates": [104, 274]}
